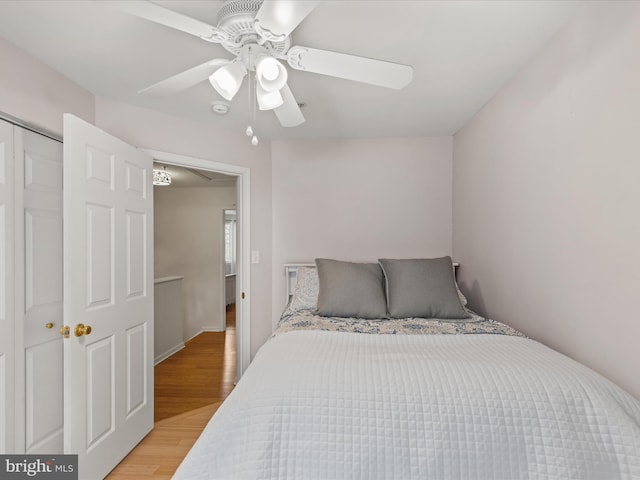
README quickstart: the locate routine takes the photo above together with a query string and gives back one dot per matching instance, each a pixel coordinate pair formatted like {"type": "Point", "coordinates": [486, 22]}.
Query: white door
{"type": "Point", "coordinates": [38, 292]}
{"type": "Point", "coordinates": [7, 368]}
{"type": "Point", "coordinates": [108, 285]}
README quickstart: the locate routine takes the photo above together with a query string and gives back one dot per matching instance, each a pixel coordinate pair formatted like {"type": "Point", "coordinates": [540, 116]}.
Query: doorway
{"type": "Point", "coordinates": [242, 175]}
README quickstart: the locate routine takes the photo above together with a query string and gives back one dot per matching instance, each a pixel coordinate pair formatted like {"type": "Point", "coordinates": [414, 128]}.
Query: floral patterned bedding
{"type": "Point", "coordinates": [307, 320]}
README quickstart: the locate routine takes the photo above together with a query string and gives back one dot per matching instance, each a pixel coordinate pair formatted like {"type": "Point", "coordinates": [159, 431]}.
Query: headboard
{"type": "Point", "coordinates": [291, 273]}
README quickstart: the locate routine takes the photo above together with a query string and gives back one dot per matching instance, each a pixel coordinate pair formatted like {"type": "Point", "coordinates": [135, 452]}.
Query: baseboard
{"type": "Point", "coordinates": [203, 329]}
{"type": "Point", "coordinates": [168, 353]}
{"type": "Point", "coordinates": [210, 328]}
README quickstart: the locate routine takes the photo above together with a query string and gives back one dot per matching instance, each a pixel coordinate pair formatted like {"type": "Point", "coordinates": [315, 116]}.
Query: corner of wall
{"type": "Point", "coordinates": [38, 95]}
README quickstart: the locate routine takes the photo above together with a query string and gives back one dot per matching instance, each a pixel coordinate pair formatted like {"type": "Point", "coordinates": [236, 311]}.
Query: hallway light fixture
{"type": "Point", "coordinates": [161, 178]}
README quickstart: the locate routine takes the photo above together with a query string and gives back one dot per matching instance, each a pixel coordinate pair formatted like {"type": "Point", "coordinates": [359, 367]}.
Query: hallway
{"type": "Point", "coordinates": [200, 374]}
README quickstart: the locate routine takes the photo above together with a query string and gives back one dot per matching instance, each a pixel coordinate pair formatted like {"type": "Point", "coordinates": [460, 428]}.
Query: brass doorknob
{"type": "Point", "coordinates": [81, 329]}
{"type": "Point", "coordinates": [64, 331]}
{"type": "Point", "coordinates": [48, 325]}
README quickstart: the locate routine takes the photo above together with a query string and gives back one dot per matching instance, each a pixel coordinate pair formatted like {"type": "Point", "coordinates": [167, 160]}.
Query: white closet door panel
{"type": "Point", "coordinates": [41, 170]}
{"type": "Point", "coordinates": [7, 354]}
{"type": "Point", "coordinates": [39, 394]}
{"type": "Point", "coordinates": [44, 422]}
{"type": "Point", "coordinates": [43, 260]}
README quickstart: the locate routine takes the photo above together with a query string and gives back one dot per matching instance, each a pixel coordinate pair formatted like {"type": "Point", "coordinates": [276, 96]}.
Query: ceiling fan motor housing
{"type": "Point", "coordinates": [236, 18]}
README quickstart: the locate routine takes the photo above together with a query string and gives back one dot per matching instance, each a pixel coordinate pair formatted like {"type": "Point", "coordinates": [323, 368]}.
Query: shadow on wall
{"type": "Point", "coordinates": [473, 293]}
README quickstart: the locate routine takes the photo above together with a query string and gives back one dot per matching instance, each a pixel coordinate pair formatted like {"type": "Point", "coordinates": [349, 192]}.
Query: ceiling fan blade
{"type": "Point", "coordinates": [351, 67]}
{"type": "Point", "coordinates": [157, 14]}
{"type": "Point", "coordinates": [289, 112]}
{"type": "Point", "coordinates": [184, 80]}
{"type": "Point", "coordinates": [276, 19]}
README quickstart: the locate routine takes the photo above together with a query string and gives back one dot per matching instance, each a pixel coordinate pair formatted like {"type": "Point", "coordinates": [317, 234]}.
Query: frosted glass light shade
{"type": "Point", "coordinates": [271, 74]}
{"type": "Point", "coordinates": [227, 79]}
{"type": "Point", "coordinates": [268, 100]}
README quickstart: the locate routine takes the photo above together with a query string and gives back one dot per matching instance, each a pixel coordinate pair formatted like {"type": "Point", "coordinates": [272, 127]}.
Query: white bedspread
{"type": "Point", "coordinates": [324, 405]}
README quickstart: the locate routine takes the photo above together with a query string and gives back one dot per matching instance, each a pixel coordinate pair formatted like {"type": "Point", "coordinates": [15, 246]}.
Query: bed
{"type": "Point", "coordinates": [333, 396]}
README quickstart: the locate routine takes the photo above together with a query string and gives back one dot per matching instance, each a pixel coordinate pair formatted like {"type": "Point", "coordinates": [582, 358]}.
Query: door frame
{"type": "Point", "coordinates": [243, 277]}
{"type": "Point", "coordinates": [223, 310]}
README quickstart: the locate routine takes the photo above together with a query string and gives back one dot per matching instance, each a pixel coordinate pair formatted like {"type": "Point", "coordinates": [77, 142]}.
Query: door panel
{"type": "Point", "coordinates": [38, 279]}
{"type": "Point", "coordinates": [43, 260]}
{"type": "Point", "coordinates": [101, 388]}
{"type": "Point", "coordinates": [7, 354]}
{"type": "Point", "coordinates": [108, 235]}
{"type": "Point", "coordinates": [137, 347]}
{"type": "Point", "coordinates": [100, 261]}
{"type": "Point", "coordinates": [136, 254]}
{"type": "Point", "coordinates": [44, 376]}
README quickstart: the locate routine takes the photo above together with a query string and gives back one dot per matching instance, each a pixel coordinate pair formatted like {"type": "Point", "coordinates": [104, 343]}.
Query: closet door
{"type": "Point", "coordinates": [6, 290]}
{"type": "Point", "coordinates": [38, 296]}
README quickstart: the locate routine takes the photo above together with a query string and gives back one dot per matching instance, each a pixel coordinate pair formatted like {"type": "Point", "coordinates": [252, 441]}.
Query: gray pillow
{"type": "Point", "coordinates": [423, 288]}
{"type": "Point", "coordinates": [352, 290]}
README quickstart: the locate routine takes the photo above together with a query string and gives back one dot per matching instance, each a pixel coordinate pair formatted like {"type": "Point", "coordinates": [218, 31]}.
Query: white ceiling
{"type": "Point", "coordinates": [462, 53]}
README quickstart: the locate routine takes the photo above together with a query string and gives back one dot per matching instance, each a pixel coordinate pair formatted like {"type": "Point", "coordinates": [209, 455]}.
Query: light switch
{"type": "Point", "coordinates": [255, 256]}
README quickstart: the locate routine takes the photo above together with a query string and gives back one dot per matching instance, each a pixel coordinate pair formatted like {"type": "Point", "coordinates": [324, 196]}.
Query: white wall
{"type": "Point", "coordinates": [149, 129]}
{"type": "Point", "coordinates": [359, 200]}
{"type": "Point", "coordinates": [36, 94]}
{"type": "Point", "coordinates": [547, 196]}
{"type": "Point", "coordinates": [168, 316]}
{"type": "Point", "coordinates": [188, 232]}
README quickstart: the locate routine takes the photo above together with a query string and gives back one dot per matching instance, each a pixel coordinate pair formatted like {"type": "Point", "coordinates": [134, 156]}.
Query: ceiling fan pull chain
{"type": "Point", "coordinates": [249, 130]}
{"type": "Point", "coordinates": [252, 106]}
{"type": "Point", "coordinates": [254, 139]}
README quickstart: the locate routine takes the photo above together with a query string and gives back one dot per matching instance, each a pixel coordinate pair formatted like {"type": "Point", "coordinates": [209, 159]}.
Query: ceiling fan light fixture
{"type": "Point", "coordinates": [268, 100]}
{"type": "Point", "coordinates": [271, 74]}
{"type": "Point", "coordinates": [228, 78]}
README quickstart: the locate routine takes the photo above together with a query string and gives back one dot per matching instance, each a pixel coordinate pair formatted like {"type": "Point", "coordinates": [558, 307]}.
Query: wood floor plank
{"type": "Point", "coordinates": [189, 387]}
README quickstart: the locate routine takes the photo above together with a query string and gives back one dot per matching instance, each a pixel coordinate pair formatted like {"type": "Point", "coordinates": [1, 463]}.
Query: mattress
{"type": "Point", "coordinates": [436, 400]}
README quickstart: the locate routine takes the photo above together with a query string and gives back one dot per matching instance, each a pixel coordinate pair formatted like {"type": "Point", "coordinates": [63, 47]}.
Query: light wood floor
{"type": "Point", "coordinates": [157, 457]}
{"type": "Point", "coordinates": [200, 374]}
{"type": "Point", "coordinates": [189, 387]}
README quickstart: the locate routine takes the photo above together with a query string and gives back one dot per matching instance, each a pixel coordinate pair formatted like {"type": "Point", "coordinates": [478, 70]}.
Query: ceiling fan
{"type": "Point", "coordinates": [257, 33]}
